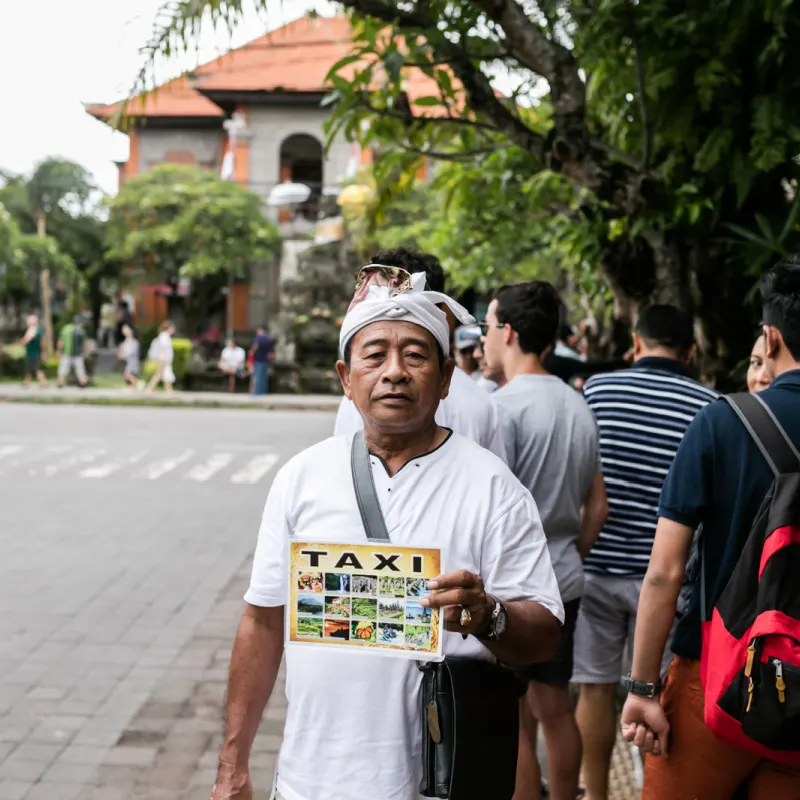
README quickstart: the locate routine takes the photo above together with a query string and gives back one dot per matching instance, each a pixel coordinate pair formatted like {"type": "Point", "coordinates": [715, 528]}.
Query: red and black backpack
{"type": "Point", "coordinates": [750, 663]}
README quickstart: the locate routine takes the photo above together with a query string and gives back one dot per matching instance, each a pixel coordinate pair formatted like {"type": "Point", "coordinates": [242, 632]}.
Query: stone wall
{"type": "Point", "coordinates": [271, 125]}
{"type": "Point", "coordinates": [186, 146]}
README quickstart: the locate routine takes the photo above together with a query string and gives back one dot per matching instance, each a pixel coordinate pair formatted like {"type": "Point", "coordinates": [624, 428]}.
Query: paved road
{"type": "Point", "coordinates": [125, 535]}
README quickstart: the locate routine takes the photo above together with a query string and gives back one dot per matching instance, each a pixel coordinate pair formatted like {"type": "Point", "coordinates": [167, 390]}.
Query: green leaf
{"type": "Point", "coordinates": [428, 100]}
{"type": "Point", "coordinates": [341, 64]}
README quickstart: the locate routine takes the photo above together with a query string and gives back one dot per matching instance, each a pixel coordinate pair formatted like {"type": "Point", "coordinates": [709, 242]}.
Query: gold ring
{"type": "Point", "coordinates": [466, 618]}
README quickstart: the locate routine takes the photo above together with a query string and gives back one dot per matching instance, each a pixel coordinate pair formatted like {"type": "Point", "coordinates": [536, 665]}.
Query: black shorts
{"type": "Point", "coordinates": [558, 670]}
{"type": "Point", "coordinates": [32, 366]}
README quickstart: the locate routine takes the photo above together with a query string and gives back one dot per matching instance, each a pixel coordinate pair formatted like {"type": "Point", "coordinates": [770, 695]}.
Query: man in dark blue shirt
{"type": "Point", "coordinates": [718, 480]}
{"type": "Point", "coordinates": [261, 351]}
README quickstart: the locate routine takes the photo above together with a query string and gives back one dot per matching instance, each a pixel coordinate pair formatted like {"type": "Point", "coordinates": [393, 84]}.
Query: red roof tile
{"type": "Point", "coordinates": [293, 58]}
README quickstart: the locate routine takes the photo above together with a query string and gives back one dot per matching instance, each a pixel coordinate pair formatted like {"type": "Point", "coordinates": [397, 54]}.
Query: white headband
{"type": "Point", "coordinates": [416, 306]}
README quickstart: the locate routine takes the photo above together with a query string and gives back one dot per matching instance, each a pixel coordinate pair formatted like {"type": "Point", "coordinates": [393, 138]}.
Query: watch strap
{"type": "Point", "coordinates": [641, 688]}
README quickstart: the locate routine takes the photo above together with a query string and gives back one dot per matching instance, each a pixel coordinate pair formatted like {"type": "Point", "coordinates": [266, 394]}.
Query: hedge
{"type": "Point", "coordinates": [13, 365]}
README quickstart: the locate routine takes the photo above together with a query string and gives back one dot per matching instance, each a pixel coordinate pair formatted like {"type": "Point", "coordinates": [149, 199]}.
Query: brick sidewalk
{"type": "Point", "coordinates": [169, 749]}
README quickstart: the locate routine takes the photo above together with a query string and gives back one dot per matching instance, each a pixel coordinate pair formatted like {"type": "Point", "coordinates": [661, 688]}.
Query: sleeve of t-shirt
{"type": "Point", "coordinates": [515, 563]}
{"type": "Point", "coordinates": [348, 420]}
{"type": "Point", "coordinates": [686, 494]}
{"type": "Point", "coordinates": [269, 583]}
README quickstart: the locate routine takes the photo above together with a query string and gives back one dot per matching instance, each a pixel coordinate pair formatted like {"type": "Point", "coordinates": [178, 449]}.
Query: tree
{"type": "Point", "coordinates": [675, 124]}
{"type": "Point", "coordinates": [29, 257]}
{"type": "Point", "coordinates": [57, 191]}
{"type": "Point", "coordinates": [185, 221]}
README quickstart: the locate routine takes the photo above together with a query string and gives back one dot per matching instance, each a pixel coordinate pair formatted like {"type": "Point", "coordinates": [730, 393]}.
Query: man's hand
{"type": "Point", "coordinates": [644, 724]}
{"type": "Point", "coordinates": [232, 784]}
{"type": "Point", "coordinates": [457, 591]}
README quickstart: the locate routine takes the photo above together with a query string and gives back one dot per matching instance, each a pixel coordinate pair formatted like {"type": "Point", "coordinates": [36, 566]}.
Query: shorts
{"type": "Point", "coordinates": [558, 670]}
{"type": "Point", "coordinates": [68, 363]}
{"type": "Point", "coordinates": [132, 367]}
{"type": "Point", "coordinates": [32, 366]}
{"type": "Point", "coordinates": [606, 623]}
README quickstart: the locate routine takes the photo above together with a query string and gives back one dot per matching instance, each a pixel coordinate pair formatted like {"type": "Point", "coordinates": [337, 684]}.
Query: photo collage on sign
{"type": "Point", "coordinates": [363, 608]}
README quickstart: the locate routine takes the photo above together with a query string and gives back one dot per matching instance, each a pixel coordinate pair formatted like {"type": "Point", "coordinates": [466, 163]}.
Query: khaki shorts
{"type": "Point", "coordinates": [68, 363]}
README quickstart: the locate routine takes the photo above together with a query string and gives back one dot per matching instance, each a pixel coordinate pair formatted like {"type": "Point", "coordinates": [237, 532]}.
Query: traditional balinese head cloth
{"type": "Point", "coordinates": [417, 306]}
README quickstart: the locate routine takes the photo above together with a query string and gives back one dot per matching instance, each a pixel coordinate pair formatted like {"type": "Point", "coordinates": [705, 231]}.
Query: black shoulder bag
{"type": "Point", "coordinates": [470, 707]}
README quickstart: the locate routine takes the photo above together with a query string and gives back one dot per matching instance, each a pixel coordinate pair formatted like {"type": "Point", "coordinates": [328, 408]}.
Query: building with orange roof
{"type": "Point", "coordinates": [276, 84]}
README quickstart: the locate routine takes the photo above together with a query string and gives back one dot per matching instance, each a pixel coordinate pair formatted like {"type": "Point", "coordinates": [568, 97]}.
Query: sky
{"type": "Point", "coordinates": [56, 55]}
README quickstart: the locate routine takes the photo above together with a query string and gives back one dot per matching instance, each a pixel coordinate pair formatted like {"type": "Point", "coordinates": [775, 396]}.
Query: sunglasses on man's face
{"type": "Point", "coordinates": [397, 278]}
{"type": "Point", "coordinates": [484, 326]}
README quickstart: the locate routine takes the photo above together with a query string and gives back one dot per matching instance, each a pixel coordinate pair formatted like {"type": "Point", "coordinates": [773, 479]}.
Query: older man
{"type": "Point", "coordinates": [353, 729]}
{"type": "Point", "coordinates": [467, 409]}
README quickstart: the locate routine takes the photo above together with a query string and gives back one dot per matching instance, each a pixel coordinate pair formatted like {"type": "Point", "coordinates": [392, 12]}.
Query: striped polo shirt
{"type": "Point", "coordinates": [642, 414]}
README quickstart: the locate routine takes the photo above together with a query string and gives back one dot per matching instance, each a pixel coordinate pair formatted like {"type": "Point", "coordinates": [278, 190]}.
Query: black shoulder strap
{"type": "Point", "coordinates": [772, 440]}
{"type": "Point", "coordinates": [366, 496]}
{"type": "Point", "coordinates": [774, 443]}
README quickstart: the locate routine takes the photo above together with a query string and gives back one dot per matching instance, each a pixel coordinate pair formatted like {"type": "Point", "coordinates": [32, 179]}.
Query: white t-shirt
{"type": "Point", "coordinates": [353, 725]}
{"type": "Point", "coordinates": [467, 410]}
{"type": "Point", "coordinates": [232, 357]}
{"type": "Point", "coordinates": [163, 348]}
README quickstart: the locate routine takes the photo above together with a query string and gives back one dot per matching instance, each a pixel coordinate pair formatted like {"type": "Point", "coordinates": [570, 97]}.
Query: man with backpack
{"type": "Point", "coordinates": [729, 711]}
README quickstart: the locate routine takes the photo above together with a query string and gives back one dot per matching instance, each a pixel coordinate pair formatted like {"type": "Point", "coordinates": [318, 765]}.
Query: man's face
{"type": "Point", "coordinates": [493, 344]}
{"type": "Point", "coordinates": [466, 361]}
{"type": "Point", "coordinates": [394, 377]}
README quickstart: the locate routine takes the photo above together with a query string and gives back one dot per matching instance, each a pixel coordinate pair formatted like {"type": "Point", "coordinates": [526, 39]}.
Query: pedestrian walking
{"type": "Point", "coordinates": [551, 442]}
{"type": "Point", "coordinates": [642, 413]}
{"type": "Point", "coordinates": [354, 723]}
{"type": "Point", "coordinates": [71, 343]}
{"type": "Point", "coordinates": [467, 408]}
{"type": "Point", "coordinates": [108, 320]}
{"type": "Point", "coordinates": [162, 352]}
{"type": "Point", "coordinates": [130, 357]}
{"type": "Point", "coordinates": [32, 340]}
{"type": "Point", "coordinates": [724, 479]}
{"type": "Point", "coordinates": [261, 351]}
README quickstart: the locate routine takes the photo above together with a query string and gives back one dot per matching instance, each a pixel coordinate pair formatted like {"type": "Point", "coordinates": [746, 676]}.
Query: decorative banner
{"type": "Point", "coordinates": [364, 597]}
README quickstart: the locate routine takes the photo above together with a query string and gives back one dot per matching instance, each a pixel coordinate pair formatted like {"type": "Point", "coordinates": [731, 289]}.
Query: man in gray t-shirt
{"type": "Point", "coordinates": [552, 445]}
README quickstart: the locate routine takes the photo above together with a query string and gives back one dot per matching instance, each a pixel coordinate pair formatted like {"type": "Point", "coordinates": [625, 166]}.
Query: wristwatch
{"type": "Point", "coordinates": [498, 621]}
{"type": "Point", "coordinates": [640, 688]}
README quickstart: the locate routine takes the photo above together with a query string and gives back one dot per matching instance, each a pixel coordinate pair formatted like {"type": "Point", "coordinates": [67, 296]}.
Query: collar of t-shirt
{"type": "Point", "coordinates": [787, 380]}
{"type": "Point", "coordinates": [428, 458]}
{"type": "Point", "coordinates": [664, 364]}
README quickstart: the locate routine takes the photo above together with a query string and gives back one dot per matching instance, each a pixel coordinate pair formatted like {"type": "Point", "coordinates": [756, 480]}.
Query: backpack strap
{"type": "Point", "coordinates": [765, 430]}
{"type": "Point", "coordinates": [772, 440]}
{"type": "Point", "coordinates": [366, 496]}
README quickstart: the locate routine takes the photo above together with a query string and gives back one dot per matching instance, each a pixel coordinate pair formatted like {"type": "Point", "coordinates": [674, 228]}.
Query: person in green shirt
{"type": "Point", "coordinates": [33, 351]}
{"type": "Point", "coordinates": [70, 352]}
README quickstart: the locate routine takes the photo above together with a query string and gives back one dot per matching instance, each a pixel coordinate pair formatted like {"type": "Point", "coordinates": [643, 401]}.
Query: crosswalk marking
{"type": "Point", "coordinates": [73, 461]}
{"type": "Point", "coordinates": [256, 469]}
{"type": "Point", "coordinates": [160, 468]}
{"type": "Point", "coordinates": [99, 459]}
{"type": "Point", "coordinates": [202, 472]}
{"type": "Point", "coordinates": [110, 467]}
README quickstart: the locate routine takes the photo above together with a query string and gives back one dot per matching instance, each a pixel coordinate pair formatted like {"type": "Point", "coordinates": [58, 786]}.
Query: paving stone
{"type": "Point", "coordinates": [13, 789]}
{"type": "Point", "coordinates": [17, 770]}
{"type": "Point", "coordinates": [63, 772]}
{"type": "Point", "coordinates": [35, 751]}
{"type": "Point", "coordinates": [55, 791]}
{"type": "Point", "coordinates": [83, 754]}
{"type": "Point", "coordinates": [130, 756]}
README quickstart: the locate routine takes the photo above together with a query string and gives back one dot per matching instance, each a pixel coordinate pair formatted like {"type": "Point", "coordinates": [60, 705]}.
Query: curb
{"type": "Point", "coordinates": [77, 400]}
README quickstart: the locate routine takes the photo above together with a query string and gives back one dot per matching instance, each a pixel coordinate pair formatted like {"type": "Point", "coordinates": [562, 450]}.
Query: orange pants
{"type": "Point", "coordinates": [699, 766]}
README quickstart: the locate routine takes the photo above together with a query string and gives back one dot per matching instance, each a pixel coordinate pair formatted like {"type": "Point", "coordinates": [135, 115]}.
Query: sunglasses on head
{"type": "Point", "coordinates": [397, 278]}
